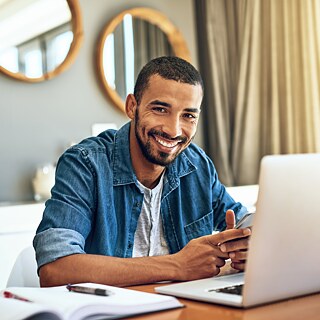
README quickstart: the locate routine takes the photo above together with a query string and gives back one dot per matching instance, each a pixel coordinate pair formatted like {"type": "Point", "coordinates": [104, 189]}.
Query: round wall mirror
{"type": "Point", "coordinates": [128, 42]}
{"type": "Point", "coordinates": [39, 39]}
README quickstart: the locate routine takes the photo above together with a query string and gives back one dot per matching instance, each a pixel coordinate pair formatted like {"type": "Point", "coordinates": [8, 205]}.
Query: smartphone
{"type": "Point", "coordinates": [246, 221]}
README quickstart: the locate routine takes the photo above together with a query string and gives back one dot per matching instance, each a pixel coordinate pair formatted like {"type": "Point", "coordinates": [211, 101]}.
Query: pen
{"type": "Point", "coordinates": [88, 290]}
{"type": "Point", "coordinates": [11, 295]}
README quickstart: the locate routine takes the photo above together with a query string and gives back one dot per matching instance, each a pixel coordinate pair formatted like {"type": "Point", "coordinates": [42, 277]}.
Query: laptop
{"type": "Point", "coordinates": [283, 259]}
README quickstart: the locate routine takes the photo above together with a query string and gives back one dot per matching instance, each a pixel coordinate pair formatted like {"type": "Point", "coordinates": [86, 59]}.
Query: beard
{"type": "Point", "coordinates": [154, 156]}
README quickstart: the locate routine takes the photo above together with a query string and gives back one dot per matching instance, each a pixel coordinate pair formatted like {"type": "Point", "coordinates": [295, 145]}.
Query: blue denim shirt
{"type": "Point", "coordinates": [96, 201]}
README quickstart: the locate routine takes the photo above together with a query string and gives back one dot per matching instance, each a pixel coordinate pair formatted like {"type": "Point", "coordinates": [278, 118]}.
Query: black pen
{"type": "Point", "coordinates": [88, 290]}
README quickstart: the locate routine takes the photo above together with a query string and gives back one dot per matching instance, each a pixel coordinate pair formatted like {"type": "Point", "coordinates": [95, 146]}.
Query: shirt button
{"type": "Point", "coordinates": [129, 245]}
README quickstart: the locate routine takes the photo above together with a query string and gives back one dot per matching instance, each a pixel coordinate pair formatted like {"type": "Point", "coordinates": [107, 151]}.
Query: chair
{"type": "Point", "coordinates": [24, 271]}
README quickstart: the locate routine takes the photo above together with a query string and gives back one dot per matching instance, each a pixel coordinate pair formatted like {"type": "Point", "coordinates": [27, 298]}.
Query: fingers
{"type": "Point", "coordinates": [216, 265]}
{"type": "Point", "coordinates": [227, 235]}
{"type": "Point", "coordinates": [238, 265]}
{"type": "Point", "coordinates": [215, 271]}
{"type": "Point", "coordinates": [204, 258]}
{"type": "Point", "coordinates": [219, 262]}
{"type": "Point", "coordinates": [238, 259]}
{"type": "Point", "coordinates": [236, 245]}
{"type": "Point", "coordinates": [230, 219]}
{"type": "Point", "coordinates": [215, 250]}
{"type": "Point", "coordinates": [199, 259]}
{"type": "Point", "coordinates": [238, 255]}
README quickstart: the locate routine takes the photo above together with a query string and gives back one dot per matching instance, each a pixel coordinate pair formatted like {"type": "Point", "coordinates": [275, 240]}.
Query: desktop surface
{"type": "Point", "coordinates": [306, 307]}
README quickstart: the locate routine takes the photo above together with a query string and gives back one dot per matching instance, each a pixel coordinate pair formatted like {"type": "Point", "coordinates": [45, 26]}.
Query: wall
{"type": "Point", "coordinates": [38, 121]}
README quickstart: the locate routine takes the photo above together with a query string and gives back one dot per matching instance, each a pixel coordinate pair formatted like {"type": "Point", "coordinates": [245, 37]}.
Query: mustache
{"type": "Point", "coordinates": [164, 135]}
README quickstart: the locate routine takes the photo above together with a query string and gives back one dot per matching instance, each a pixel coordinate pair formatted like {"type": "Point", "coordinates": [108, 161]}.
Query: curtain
{"type": "Point", "coordinates": [260, 60]}
{"type": "Point", "coordinates": [149, 42]}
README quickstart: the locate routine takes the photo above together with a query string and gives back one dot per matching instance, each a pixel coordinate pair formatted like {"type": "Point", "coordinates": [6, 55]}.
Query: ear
{"type": "Point", "coordinates": [131, 105]}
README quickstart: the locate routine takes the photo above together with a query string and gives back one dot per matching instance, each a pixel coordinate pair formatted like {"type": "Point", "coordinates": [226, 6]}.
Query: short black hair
{"type": "Point", "coordinates": [170, 68]}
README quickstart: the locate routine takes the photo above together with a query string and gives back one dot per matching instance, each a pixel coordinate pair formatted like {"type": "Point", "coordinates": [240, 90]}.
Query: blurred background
{"type": "Point", "coordinates": [63, 74]}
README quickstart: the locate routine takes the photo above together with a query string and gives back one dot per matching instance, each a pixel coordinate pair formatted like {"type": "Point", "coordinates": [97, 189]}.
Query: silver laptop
{"type": "Point", "coordinates": [284, 254]}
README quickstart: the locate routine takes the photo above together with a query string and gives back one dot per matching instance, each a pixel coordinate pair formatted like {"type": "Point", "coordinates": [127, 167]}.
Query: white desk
{"type": "Point", "coordinates": [18, 224]}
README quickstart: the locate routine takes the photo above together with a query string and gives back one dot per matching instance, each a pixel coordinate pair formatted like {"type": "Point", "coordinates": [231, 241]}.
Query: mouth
{"type": "Point", "coordinates": [168, 145]}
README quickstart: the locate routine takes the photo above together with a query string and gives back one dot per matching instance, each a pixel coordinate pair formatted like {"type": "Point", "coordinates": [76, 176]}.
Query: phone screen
{"type": "Point", "coordinates": [246, 221]}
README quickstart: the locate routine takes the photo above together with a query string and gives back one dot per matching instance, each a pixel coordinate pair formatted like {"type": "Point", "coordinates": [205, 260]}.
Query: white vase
{"type": "Point", "coordinates": [43, 182]}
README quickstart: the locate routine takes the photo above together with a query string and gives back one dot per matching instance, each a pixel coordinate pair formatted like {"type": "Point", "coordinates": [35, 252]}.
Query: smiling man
{"type": "Point", "coordinates": [140, 204]}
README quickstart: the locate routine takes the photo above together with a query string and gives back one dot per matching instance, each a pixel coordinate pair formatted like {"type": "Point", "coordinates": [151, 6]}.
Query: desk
{"type": "Point", "coordinates": [307, 307]}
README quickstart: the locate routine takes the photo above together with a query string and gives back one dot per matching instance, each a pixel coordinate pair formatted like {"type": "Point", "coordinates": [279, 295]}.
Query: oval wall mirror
{"type": "Point", "coordinates": [128, 42]}
{"type": "Point", "coordinates": [39, 39]}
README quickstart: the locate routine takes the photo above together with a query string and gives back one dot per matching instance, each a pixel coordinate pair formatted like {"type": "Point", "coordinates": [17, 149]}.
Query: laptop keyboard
{"type": "Point", "coordinates": [231, 290]}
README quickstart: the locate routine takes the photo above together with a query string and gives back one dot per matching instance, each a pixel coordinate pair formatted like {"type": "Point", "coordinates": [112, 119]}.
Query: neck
{"type": "Point", "coordinates": [148, 181]}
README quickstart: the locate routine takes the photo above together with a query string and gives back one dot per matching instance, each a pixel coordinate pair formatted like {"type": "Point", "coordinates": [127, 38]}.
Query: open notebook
{"type": "Point", "coordinates": [57, 303]}
{"type": "Point", "coordinates": [284, 248]}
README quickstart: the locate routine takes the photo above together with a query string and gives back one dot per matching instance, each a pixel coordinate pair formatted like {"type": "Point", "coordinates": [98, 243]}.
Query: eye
{"type": "Point", "coordinates": [190, 116]}
{"type": "Point", "coordinates": [159, 109]}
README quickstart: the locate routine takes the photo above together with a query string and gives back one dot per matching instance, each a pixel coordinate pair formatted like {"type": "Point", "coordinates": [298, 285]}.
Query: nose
{"type": "Point", "coordinates": [172, 127]}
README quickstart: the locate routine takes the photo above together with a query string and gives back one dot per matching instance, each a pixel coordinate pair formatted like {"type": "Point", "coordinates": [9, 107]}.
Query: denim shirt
{"type": "Point", "coordinates": [96, 200]}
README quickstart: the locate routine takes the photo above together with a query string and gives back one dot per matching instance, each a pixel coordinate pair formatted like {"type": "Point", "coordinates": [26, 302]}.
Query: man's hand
{"type": "Point", "coordinates": [237, 249]}
{"type": "Point", "coordinates": [200, 258]}
{"type": "Point", "coordinates": [203, 257]}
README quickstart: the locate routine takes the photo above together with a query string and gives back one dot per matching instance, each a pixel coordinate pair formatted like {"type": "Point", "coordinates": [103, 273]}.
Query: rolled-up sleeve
{"type": "Point", "coordinates": [55, 243]}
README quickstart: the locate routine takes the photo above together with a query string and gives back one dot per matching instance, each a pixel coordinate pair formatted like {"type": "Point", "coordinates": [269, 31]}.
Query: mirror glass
{"type": "Point", "coordinates": [38, 38]}
{"type": "Point", "coordinates": [128, 42]}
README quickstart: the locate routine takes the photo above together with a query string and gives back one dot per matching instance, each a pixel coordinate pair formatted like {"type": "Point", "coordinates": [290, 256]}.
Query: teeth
{"type": "Point", "coordinates": [166, 144]}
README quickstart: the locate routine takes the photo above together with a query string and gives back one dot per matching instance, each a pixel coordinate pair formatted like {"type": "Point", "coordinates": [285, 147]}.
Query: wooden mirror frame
{"type": "Point", "coordinates": [77, 30]}
{"type": "Point", "coordinates": [157, 18]}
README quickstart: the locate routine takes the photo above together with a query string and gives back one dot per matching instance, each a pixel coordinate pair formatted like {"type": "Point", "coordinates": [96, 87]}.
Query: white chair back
{"type": "Point", "coordinates": [24, 271]}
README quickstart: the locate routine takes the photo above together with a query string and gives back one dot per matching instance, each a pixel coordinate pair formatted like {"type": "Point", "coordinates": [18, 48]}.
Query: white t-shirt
{"type": "Point", "coordinates": [148, 238]}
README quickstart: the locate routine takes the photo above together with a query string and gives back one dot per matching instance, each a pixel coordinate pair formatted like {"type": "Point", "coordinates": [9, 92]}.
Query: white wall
{"type": "Point", "coordinates": [38, 121]}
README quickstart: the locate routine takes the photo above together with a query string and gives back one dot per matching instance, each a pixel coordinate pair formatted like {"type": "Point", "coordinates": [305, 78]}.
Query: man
{"type": "Point", "coordinates": [139, 205]}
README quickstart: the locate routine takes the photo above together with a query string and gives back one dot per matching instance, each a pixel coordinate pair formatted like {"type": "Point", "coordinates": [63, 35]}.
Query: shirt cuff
{"type": "Point", "coordinates": [55, 243]}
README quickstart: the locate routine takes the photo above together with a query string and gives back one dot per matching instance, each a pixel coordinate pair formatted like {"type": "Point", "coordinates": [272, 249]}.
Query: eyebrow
{"type": "Point", "coordinates": [161, 103]}
{"type": "Point", "coordinates": [168, 105]}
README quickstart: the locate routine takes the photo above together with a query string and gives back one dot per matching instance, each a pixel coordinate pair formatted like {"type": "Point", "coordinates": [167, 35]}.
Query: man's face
{"type": "Point", "coordinates": [166, 120]}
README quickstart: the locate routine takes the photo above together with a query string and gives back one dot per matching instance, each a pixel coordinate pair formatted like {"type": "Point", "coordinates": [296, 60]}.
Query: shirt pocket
{"type": "Point", "coordinates": [200, 227]}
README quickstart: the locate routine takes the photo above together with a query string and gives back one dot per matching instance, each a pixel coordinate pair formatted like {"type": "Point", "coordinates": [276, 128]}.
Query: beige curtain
{"type": "Point", "coordinates": [149, 42]}
{"type": "Point", "coordinates": [261, 64]}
